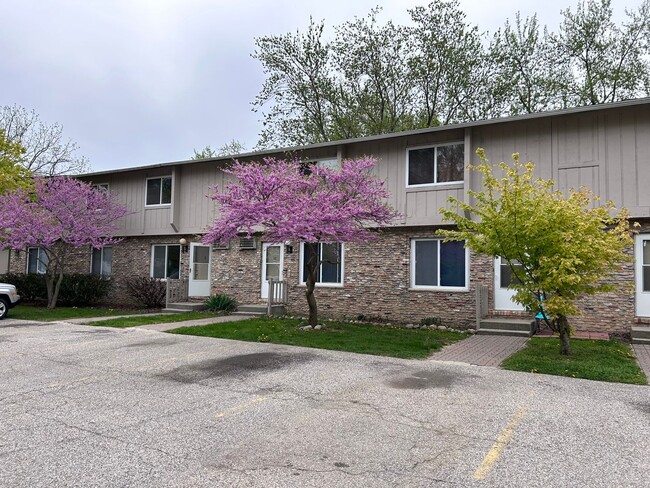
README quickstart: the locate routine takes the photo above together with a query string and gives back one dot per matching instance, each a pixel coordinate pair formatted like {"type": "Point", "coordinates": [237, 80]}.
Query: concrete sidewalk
{"type": "Point", "coordinates": [481, 350]}
{"type": "Point", "coordinates": [642, 353]}
{"type": "Point", "coordinates": [164, 326]}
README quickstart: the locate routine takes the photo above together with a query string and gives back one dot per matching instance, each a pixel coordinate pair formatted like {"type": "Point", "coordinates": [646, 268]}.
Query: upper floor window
{"type": "Point", "coordinates": [306, 166]}
{"type": "Point", "coordinates": [435, 164]}
{"type": "Point", "coordinates": [159, 190]}
{"type": "Point", "coordinates": [102, 186]}
{"type": "Point", "coordinates": [37, 260]}
{"type": "Point", "coordinates": [101, 263]}
{"type": "Point", "coordinates": [330, 267]}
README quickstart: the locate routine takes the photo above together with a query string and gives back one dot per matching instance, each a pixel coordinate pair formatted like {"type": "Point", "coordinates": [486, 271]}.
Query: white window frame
{"type": "Point", "coordinates": [103, 186]}
{"type": "Point", "coordinates": [437, 288]}
{"type": "Point", "coordinates": [146, 191]}
{"type": "Point", "coordinates": [166, 246]}
{"type": "Point", "coordinates": [41, 267]}
{"type": "Point", "coordinates": [101, 261]}
{"type": "Point", "coordinates": [318, 284]}
{"type": "Point", "coordinates": [435, 164]}
{"type": "Point", "coordinates": [317, 162]}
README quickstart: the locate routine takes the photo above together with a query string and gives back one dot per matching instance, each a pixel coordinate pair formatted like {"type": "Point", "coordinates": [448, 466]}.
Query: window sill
{"type": "Point", "coordinates": [160, 205]}
{"type": "Point", "coordinates": [445, 289]}
{"type": "Point", "coordinates": [323, 285]}
{"type": "Point", "coordinates": [436, 186]}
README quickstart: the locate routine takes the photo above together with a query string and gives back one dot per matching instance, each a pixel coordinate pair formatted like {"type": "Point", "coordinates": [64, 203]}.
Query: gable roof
{"type": "Point", "coordinates": [339, 142]}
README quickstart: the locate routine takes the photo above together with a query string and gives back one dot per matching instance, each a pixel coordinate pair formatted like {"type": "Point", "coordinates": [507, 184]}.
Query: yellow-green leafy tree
{"type": "Point", "coordinates": [12, 174]}
{"type": "Point", "coordinates": [559, 246]}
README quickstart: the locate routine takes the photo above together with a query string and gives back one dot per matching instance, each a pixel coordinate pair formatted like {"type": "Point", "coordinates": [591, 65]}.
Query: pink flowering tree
{"type": "Point", "coordinates": [289, 201]}
{"type": "Point", "coordinates": [58, 215]}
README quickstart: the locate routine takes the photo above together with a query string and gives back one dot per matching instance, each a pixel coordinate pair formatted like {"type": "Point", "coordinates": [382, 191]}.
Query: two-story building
{"type": "Point", "coordinates": [407, 273]}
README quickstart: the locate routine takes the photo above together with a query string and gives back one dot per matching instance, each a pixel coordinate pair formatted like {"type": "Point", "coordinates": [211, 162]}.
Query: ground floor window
{"type": "Point", "coordinates": [37, 260]}
{"type": "Point", "coordinates": [102, 261]}
{"type": "Point", "coordinates": [438, 265]}
{"type": "Point", "coordinates": [166, 261]}
{"type": "Point", "coordinates": [330, 268]}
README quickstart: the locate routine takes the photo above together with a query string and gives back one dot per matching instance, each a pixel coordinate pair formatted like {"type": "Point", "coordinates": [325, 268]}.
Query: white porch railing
{"type": "Point", "coordinates": [278, 292]}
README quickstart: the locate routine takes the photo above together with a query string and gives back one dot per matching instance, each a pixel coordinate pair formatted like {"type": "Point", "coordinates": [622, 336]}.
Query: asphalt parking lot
{"type": "Point", "coordinates": [86, 406]}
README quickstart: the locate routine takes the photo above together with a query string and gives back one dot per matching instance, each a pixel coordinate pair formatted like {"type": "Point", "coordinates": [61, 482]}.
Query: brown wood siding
{"type": "Point", "coordinates": [606, 150]}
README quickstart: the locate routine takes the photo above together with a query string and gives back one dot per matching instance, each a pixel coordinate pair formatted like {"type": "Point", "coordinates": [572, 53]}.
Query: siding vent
{"type": "Point", "coordinates": [247, 243]}
{"type": "Point", "coordinates": [218, 246]}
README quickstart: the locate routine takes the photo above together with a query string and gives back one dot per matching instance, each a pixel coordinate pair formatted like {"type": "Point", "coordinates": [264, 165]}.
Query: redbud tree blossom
{"type": "Point", "coordinates": [58, 215]}
{"type": "Point", "coordinates": [290, 201]}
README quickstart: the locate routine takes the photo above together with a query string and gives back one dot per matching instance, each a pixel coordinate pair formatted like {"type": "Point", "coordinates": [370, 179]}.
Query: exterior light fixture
{"type": "Point", "coordinates": [183, 242]}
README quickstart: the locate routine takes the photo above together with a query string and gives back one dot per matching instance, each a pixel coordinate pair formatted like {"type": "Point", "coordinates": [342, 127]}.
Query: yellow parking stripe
{"type": "Point", "coordinates": [239, 408]}
{"type": "Point", "coordinates": [502, 441]}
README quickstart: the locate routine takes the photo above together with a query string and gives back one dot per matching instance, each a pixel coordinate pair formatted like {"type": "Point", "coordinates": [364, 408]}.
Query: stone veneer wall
{"type": "Point", "coordinates": [376, 285]}
{"type": "Point", "coordinates": [131, 257]}
{"type": "Point", "coordinates": [376, 282]}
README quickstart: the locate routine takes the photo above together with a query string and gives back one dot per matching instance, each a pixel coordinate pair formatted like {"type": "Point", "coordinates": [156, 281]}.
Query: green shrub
{"type": "Point", "coordinates": [76, 289]}
{"type": "Point", "coordinates": [148, 292]}
{"type": "Point", "coordinates": [219, 302]}
{"type": "Point", "coordinates": [31, 287]}
{"type": "Point", "coordinates": [79, 290]}
{"type": "Point", "coordinates": [431, 321]}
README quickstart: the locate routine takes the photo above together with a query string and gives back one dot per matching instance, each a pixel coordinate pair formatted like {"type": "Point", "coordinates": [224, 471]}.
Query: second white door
{"type": "Point", "coordinates": [272, 263]}
{"type": "Point", "coordinates": [503, 294]}
{"type": "Point", "coordinates": [199, 284]}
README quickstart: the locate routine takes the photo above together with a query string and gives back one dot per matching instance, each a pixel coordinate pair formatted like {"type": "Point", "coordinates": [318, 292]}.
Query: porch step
{"type": "Point", "coordinates": [640, 335]}
{"type": "Point", "coordinates": [185, 307]}
{"type": "Point", "coordinates": [259, 310]}
{"type": "Point", "coordinates": [507, 327]}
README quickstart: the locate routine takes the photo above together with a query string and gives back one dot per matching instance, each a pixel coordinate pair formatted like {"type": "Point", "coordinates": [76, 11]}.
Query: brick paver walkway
{"type": "Point", "coordinates": [481, 350]}
{"type": "Point", "coordinates": [642, 353]}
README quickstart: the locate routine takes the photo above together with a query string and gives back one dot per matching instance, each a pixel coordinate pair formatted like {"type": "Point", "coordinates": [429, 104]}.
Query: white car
{"type": "Point", "coordinates": [9, 297]}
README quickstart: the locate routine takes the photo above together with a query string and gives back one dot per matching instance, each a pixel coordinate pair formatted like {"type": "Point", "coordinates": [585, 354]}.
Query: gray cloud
{"type": "Point", "coordinates": [143, 81]}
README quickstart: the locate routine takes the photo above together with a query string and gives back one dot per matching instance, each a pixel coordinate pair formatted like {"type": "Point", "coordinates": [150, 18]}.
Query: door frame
{"type": "Point", "coordinates": [641, 298]}
{"type": "Point", "coordinates": [264, 289]}
{"type": "Point", "coordinates": [503, 296]}
{"type": "Point", "coordinates": [205, 287]}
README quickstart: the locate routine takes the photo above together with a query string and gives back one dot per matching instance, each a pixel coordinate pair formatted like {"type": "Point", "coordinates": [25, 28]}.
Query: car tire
{"type": "Point", "coordinates": [4, 308]}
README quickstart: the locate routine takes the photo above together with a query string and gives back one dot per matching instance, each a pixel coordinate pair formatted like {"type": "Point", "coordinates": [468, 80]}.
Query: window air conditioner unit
{"type": "Point", "coordinates": [247, 243]}
{"type": "Point", "coordinates": [217, 246]}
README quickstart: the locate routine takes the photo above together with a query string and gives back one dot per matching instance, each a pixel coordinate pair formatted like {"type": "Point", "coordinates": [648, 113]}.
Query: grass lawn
{"type": "Point", "coordinates": [341, 336]}
{"type": "Point", "coordinates": [593, 360]}
{"type": "Point", "coordinates": [153, 319]}
{"type": "Point", "coordinates": [41, 313]}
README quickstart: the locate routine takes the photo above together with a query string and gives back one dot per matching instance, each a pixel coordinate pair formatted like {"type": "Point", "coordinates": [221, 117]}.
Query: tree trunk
{"type": "Point", "coordinates": [49, 284]}
{"type": "Point", "coordinates": [311, 284]}
{"type": "Point", "coordinates": [563, 329]}
{"type": "Point", "coordinates": [51, 300]}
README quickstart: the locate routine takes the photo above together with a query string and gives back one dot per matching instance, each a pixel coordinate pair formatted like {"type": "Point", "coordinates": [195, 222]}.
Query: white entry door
{"type": "Point", "coordinates": [642, 274]}
{"type": "Point", "coordinates": [502, 292]}
{"type": "Point", "coordinates": [199, 285]}
{"type": "Point", "coordinates": [272, 263]}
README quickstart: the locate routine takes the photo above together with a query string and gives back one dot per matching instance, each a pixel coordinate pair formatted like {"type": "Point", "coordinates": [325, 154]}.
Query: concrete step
{"type": "Point", "coordinates": [640, 335]}
{"type": "Point", "coordinates": [503, 332]}
{"type": "Point", "coordinates": [524, 327]}
{"type": "Point", "coordinates": [258, 309]}
{"type": "Point", "coordinates": [185, 307]}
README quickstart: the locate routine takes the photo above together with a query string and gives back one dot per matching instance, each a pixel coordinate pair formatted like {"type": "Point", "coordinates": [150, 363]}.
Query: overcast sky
{"type": "Point", "coordinates": [137, 82]}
